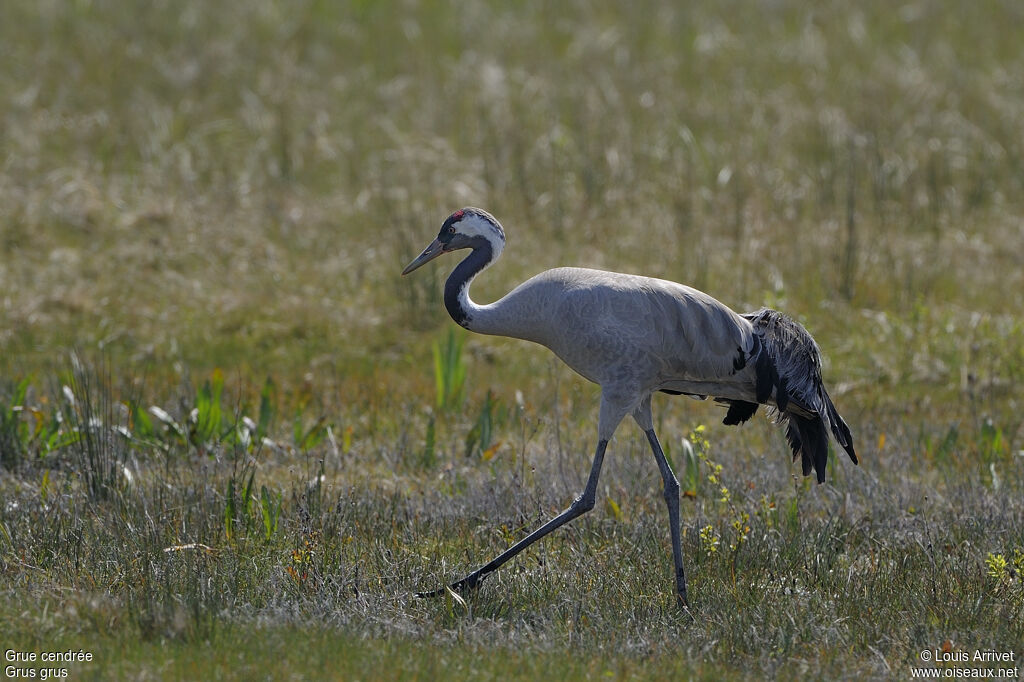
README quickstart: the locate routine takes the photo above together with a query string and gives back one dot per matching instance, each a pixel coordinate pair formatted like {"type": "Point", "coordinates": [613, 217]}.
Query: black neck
{"type": "Point", "coordinates": [472, 264]}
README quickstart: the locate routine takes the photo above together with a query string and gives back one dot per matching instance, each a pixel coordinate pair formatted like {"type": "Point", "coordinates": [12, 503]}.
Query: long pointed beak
{"type": "Point", "coordinates": [435, 249]}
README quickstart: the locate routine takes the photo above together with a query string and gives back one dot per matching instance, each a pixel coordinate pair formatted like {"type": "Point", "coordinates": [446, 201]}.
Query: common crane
{"type": "Point", "coordinates": [634, 336]}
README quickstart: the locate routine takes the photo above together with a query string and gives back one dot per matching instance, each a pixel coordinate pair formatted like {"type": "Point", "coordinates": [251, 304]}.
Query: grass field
{"type": "Point", "coordinates": [234, 442]}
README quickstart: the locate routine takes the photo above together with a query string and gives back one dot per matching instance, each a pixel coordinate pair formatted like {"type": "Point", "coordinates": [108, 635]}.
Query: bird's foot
{"type": "Point", "coordinates": [470, 582]}
{"type": "Point", "coordinates": [683, 603]}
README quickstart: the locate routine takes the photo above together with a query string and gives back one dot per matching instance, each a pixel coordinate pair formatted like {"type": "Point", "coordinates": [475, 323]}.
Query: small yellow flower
{"type": "Point", "coordinates": [996, 566]}
{"type": "Point", "coordinates": [709, 540]}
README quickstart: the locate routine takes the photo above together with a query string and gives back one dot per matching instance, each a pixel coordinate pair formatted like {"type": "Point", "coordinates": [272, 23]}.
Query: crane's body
{"type": "Point", "coordinates": [635, 333]}
{"type": "Point", "coordinates": [634, 336]}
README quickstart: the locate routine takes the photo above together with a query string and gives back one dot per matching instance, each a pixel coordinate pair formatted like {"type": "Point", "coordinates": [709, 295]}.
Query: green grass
{"type": "Point", "coordinates": [205, 208]}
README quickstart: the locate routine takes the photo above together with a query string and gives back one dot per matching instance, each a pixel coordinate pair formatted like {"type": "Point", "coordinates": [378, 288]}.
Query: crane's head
{"type": "Point", "coordinates": [467, 228]}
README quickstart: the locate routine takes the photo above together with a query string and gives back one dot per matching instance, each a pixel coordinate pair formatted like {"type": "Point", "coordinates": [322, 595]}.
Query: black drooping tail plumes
{"type": "Point", "coordinates": [788, 368]}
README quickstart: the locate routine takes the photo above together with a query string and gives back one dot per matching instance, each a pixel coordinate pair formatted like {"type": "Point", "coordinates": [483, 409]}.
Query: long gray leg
{"type": "Point", "coordinates": [642, 415]}
{"type": "Point", "coordinates": [579, 506]}
{"type": "Point", "coordinates": [610, 416]}
{"type": "Point", "coordinates": [672, 500]}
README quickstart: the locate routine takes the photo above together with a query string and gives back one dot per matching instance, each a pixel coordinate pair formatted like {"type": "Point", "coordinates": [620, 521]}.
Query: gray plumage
{"type": "Point", "coordinates": [635, 336]}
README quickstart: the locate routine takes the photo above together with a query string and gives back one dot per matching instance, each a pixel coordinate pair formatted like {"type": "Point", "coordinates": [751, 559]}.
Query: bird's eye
{"type": "Point", "coordinates": [451, 229]}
